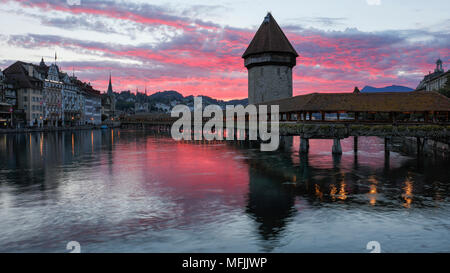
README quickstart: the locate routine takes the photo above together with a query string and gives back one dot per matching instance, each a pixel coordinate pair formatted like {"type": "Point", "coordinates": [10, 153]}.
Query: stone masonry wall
{"type": "Point", "coordinates": [269, 82]}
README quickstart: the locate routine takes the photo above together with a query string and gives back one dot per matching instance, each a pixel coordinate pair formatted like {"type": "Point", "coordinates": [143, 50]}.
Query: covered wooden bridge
{"type": "Point", "coordinates": [392, 107]}
{"type": "Point", "coordinates": [420, 114]}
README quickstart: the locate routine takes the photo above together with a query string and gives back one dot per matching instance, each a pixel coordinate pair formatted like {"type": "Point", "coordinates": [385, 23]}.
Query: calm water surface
{"type": "Point", "coordinates": [133, 191]}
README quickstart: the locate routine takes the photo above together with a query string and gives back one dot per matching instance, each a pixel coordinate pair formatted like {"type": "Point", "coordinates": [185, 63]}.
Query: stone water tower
{"type": "Point", "coordinates": [269, 59]}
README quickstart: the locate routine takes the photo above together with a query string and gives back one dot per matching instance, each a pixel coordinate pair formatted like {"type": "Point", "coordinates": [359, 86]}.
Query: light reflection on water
{"type": "Point", "coordinates": [134, 191]}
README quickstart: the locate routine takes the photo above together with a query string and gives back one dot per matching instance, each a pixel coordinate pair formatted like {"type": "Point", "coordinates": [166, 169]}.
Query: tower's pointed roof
{"type": "Point", "coordinates": [269, 38]}
{"type": "Point", "coordinates": [42, 63]}
{"type": "Point", "coordinates": [110, 90]}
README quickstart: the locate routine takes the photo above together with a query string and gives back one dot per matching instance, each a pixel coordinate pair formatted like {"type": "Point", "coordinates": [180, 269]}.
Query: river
{"type": "Point", "coordinates": [137, 191]}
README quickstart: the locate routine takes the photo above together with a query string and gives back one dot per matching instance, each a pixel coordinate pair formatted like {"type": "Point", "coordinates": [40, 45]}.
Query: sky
{"type": "Point", "coordinates": [195, 47]}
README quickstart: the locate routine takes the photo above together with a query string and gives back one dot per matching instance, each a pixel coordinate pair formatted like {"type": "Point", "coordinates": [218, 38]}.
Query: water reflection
{"type": "Point", "coordinates": [269, 205]}
{"type": "Point", "coordinates": [373, 190]}
{"type": "Point", "coordinates": [121, 190]}
{"type": "Point", "coordinates": [277, 180]}
{"type": "Point", "coordinates": [408, 194]}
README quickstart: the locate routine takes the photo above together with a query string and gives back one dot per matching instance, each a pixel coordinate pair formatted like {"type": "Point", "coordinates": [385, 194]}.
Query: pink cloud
{"type": "Point", "coordinates": [206, 58]}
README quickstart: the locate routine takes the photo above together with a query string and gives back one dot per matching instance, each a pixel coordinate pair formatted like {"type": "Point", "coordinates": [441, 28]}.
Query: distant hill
{"type": "Point", "coordinates": [166, 95]}
{"type": "Point", "coordinates": [165, 100]}
{"type": "Point", "coordinates": [392, 88]}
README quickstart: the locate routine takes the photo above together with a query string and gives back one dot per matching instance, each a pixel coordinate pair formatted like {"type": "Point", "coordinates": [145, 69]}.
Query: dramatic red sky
{"type": "Point", "coordinates": [196, 48]}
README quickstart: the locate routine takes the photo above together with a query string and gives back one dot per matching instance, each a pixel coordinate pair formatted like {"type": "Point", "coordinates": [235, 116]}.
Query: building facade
{"type": "Point", "coordinates": [93, 108]}
{"type": "Point", "coordinates": [7, 92]}
{"type": "Point", "coordinates": [42, 95]}
{"type": "Point", "coordinates": [8, 102]}
{"type": "Point", "coordinates": [52, 96]}
{"type": "Point", "coordinates": [143, 107]}
{"type": "Point", "coordinates": [29, 84]}
{"type": "Point", "coordinates": [436, 80]}
{"type": "Point", "coordinates": [72, 102]}
{"type": "Point", "coordinates": [93, 104]}
{"type": "Point", "coordinates": [269, 60]}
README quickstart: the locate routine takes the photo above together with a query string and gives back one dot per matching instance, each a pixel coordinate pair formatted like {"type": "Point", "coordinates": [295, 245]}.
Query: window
{"type": "Point", "coordinates": [25, 98]}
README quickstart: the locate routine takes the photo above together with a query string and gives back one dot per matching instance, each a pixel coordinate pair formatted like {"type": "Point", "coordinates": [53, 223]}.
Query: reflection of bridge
{"type": "Point", "coordinates": [278, 181]}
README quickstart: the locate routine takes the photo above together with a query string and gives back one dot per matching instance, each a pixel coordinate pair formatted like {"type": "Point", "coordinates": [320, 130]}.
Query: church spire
{"type": "Point", "coordinates": [110, 90]}
{"type": "Point", "coordinates": [42, 62]}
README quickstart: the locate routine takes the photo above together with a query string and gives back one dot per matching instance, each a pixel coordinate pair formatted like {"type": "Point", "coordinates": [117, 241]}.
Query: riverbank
{"type": "Point", "coordinates": [53, 129]}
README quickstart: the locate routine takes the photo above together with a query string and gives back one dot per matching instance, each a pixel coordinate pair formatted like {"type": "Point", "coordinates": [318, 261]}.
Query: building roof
{"type": "Point", "coordinates": [19, 76]}
{"type": "Point", "coordinates": [416, 101]}
{"type": "Point", "coordinates": [269, 38]}
{"type": "Point", "coordinates": [431, 77]}
{"type": "Point", "coordinates": [85, 87]}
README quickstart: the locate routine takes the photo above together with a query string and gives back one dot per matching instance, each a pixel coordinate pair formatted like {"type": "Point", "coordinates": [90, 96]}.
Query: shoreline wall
{"type": "Point", "coordinates": [55, 129]}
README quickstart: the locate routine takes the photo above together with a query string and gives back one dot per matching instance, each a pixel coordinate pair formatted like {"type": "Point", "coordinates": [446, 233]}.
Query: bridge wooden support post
{"type": "Point", "coordinates": [387, 146]}
{"type": "Point", "coordinates": [387, 153]}
{"type": "Point", "coordinates": [355, 151]}
{"type": "Point", "coordinates": [421, 145]}
{"type": "Point", "coordinates": [304, 145]}
{"type": "Point", "coordinates": [337, 148]}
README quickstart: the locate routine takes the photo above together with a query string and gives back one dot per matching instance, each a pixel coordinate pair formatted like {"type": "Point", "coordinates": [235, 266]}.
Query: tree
{"type": "Point", "coordinates": [445, 90]}
{"type": "Point", "coordinates": [356, 90]}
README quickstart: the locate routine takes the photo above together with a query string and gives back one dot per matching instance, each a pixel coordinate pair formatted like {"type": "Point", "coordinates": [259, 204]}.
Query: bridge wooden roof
{"type": "Point", "coordinates": [416, 101]}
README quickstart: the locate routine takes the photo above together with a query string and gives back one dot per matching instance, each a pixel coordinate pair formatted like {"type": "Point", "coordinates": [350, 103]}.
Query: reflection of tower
{"type": "Point", "coordinates": [269, 203]}
{"type": "Point", "coordinates": [269, 59]}
{"type": "Point", "coordinates": [286, 143]}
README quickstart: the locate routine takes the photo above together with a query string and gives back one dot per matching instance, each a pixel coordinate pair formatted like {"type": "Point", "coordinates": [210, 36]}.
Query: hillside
{"type": "Point", "coordinates": [392, 88]}
{"type": "Point", "coordinates": [165, 100]}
